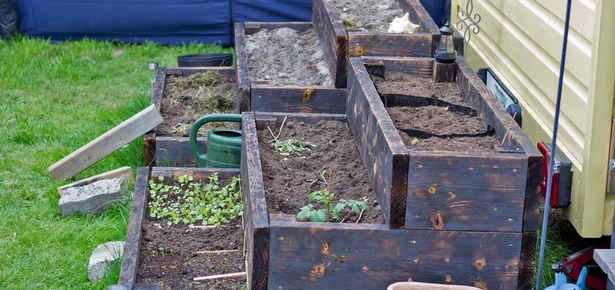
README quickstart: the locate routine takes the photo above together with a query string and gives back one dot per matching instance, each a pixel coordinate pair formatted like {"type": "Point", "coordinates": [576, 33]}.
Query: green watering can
{"type": "Point", "coordinates": [223, 145]}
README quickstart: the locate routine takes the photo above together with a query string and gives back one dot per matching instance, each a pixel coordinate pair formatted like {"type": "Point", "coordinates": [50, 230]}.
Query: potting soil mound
{"type": "Point", "coordinates": [169, 256]}
{"type": "Point", "coordinates": [185, 99]}
{"type": "Point", "coordinates": [285, 56]}
{"type": "Point", "coordinates": [396, 82]}
{"type": "Point", "coordinates": [368, 15]}
{"type": "Point", "coordinates": [289, 179]}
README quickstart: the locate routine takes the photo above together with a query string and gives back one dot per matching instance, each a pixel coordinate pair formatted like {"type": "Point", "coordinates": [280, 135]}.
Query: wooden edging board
{"type": "Point", "coordinates": [340, 43]}
{"type": "Point", "coordinates": [269, 98]}
{"type": "Point", "coordinates": [282, 253]}
{"type": "Point", "coordinates": [130, 260]}
{"type": "Point", "coordinates": [161, 150]}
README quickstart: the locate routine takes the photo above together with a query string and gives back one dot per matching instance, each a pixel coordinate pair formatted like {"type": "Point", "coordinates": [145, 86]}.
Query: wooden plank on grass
{"type": "Point", "coordinates": [125, 172]}
{"type": "Point", "coordinates": [106, 144]}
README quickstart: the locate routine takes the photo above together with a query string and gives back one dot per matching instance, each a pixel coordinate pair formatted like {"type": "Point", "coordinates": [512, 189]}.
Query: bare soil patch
{"type": "Point", "coordinates": [285, 56]}
{"type": "Point", "coordinates": [368, 15]}
{"type": "Point", "coordinates": [450, 125]}
{"type": "Point", "coordinates": [288, 180]}
{"type": "Point", "coordinates": [185, 99]}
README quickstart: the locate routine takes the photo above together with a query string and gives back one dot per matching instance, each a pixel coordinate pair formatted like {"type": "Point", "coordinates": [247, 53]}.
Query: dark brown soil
{"type": "Point", "coordinates": [288, 180]}
{"type": "Point", "coordinates": [168, 256]}
{"type": "Point", "coordinates": [368, 15]}
{"type": "Point", "coordinates": [185, 99]}
{"type": "Point", "coordinates": [285, 56]}
{"type": "Point", "coordinates": [439, 128]}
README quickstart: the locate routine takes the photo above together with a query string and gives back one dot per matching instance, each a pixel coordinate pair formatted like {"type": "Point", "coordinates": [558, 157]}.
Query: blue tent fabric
{"type": "Point", "coordinates": [271, 10]}
{"type": "Point", "coordinates": [162, 21]}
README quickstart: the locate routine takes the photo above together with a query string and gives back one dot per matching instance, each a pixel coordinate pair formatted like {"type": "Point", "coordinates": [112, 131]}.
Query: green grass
{"type": "Point", "coordinates": [55, 99]}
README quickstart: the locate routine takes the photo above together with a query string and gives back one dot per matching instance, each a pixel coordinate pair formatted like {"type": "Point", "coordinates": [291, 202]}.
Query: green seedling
{"type": "Point", "coordinates": [189, 202]}
{"type": "Point", "coordinates": [326, 198]}
{"type": "Point", "coordinates": [292, 147]}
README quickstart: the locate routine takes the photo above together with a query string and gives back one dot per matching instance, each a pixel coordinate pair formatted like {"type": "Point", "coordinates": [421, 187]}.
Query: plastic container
{"type": "Point", "coordinates": [205, 59]}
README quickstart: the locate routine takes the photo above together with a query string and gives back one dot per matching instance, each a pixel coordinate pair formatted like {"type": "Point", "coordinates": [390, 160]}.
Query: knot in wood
{"type": "Point", "coordinates": [437, 221]}
{"type": "Point", "coordinates": [324, 248]}
{"type": "Point", "coordinates": [479, 264]}
{"type": "Point", "coordinates": [448, 278]}
{"type": "Point", "coordinates": [307, 95]}
{"type": "Point", "coordinates": [481, 284]}
{"type": "Point", "coordinates": [358, 51]}
{"type": "Point", "coordinates": [432, 190]}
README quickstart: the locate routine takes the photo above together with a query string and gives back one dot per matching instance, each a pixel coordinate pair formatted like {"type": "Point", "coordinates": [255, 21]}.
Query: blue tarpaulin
{"type": "Point", "coordinates": [162, 21]}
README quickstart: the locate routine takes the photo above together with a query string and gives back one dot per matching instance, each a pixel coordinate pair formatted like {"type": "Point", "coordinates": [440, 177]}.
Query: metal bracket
{"type": "Point", "coordinates": [473, 19]}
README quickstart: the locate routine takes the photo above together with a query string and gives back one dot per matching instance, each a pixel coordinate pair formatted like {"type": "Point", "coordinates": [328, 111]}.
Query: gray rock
{"type": "Point", "coordinates": [92, 198]}
{"type": "Point", "coordinates": [103, 258]}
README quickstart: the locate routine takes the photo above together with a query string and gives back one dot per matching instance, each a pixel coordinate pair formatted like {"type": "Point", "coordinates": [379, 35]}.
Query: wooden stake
{"type": "Point", "coordinates": [221, 276]}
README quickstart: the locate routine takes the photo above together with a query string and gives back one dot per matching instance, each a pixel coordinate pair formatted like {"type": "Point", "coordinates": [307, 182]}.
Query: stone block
{"type": "Point", "coordinates": [102, 259]}
{"type": "Point", "coordinates": [92, 198]}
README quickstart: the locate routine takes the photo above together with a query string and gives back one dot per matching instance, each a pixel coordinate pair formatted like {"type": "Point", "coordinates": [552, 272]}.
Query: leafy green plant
{"type": "Point", "coordinates": [189, 202]}
{"type": "Point", "coordinates": [292, 146]}
{"type": "Point", "coordinates": [327, 199]}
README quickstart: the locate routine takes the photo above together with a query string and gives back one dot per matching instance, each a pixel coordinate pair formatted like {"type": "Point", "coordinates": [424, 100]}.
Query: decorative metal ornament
{"type": "Point", "coordinates": [468, 22]}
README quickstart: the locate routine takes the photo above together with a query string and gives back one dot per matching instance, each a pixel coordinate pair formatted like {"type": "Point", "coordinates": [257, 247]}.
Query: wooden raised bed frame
{"type": "Point", "coordinates": [130, 260]}
{"type": "Point", "coordinates": [285, 254]}
{"type": "Point", "coordinates": [269, 98]}
{"type": "Point", "coordinates": [169, 150]}
{"type": "Point", "coordinates": [339, 44]}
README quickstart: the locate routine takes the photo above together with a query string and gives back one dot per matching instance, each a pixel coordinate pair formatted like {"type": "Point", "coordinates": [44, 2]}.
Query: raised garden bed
{"type": "Point", "coordinates": [283, 253]}
{"type": "Point", "coordinates": [495, 189]}
{"type": "Point", "coordinates": [157, 255]}
{"type": "Point", "coordinates": [281, 68]}
{"type": "Point", "coordinates": [351, 33]}
{"type": "Point", "coordinates": [183, 95]}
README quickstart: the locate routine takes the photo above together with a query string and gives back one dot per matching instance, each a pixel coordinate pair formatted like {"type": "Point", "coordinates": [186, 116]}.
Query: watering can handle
{"type": "Point", "coordinates": [204, 120]}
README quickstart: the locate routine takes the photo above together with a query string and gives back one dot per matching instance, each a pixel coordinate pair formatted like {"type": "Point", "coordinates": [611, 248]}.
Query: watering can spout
{"type": "Point", "coordinates": [223, 145]}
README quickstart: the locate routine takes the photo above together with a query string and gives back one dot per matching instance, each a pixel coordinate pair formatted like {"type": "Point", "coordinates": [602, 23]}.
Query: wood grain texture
{"type": "Point", "coordinates": [130, 259]}
{"type": "Point", "coordinates": [466, 191]}
{"type": "Point", "coordinates": [348, 256]}
{"type": "Point", "coordinates": [421, 67]}
{"type": "Point", "coordinates": [444, 72]}
{"type": "Point", "coordinates": [242, 70]}
{"type": "Point", "coordinates": [298, 99]}
{"type": "Point", "coordinates": [333, 40]}
{"type": "Point", "coordinates": [176, 152]}
{"type": "Point", "coordinates": [379, 144]}
{"type": "Point", "coordinates": [256, 218]}
{"type": "Point", "coordinates": [125, 172]}
{"type": "Point", "coordinates": [172, 174]}
{"type": "Point", "coordinates": [526, 261]}
{"type": "Point", "coordinates": [106, 144]}
{"type": "Point", "coordinates": [605, 258]}
{"type": "Point", "coordinates": [389, 44]}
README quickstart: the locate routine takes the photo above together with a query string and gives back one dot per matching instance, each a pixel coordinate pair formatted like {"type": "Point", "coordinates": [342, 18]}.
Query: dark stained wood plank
{"type": "Point", "coordinates": [444, 72]}
{"type": "Point", "coordinates": [188, 71]}
{"type": "Point", "coordinates": [348, 256]}
{"type": "Point", "coordinates": [298, 99]}
{"type": "Point", "coordinates": [526, 261]}
{"type": "Point", "coordinates": [421, 67]}
{"type": "Point", "coordinates": [531, 212]}
{"type": "Point", "coordinates": [130, 260]}
{"type": "Point", "coordinates": [255, 217]}
{"type": "Point", "coordinates": [176, 152]}
{"type": "Point", "coordinates": [172, 174]}
{"type": "Point", "coordinates": [389, 44]}
{"type": "Point", "coordinates": [379, 144]}
{"type": "Point", "coordinates": [466, 191]}
{"type": "Point", "coordinates": [333, 40]}
{"type": "Point", "coordinates": [243, 77]}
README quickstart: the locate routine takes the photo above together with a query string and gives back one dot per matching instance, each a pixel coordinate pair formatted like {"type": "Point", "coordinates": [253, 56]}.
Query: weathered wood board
{"type": "Point", "coordinates": [340, 43]}
{"type": "Point", "coordinates": [269, 98]}
{"type": "Point", "coordinates": [493, 191]}
{"type": "Point", "coordinates": [106, 144]}
{"type": "Point", "coordinates": [130, 260]}
{"type": "Point", "coordinates": [285, 254]}
{"type": "Point", "coordinates": [161, 150]}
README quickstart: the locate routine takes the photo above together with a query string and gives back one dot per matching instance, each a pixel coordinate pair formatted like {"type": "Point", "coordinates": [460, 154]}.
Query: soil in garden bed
{"type": "Point", "coordinates": [435, 127]}
{"type": "Point", "coordinates": [285, 56]}
{"type": "Point", "coordinates": [289, 179]}
{"type": "Point", "coordinates": [169, 258]}
{"type": "Point", "coordinates": [185, 99]}
{"type": "Point", "coordinates": [368, 15]}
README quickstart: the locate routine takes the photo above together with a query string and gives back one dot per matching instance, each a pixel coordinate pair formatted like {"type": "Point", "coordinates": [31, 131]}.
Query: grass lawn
{"type": "Point", "coordinates": [54, 99]}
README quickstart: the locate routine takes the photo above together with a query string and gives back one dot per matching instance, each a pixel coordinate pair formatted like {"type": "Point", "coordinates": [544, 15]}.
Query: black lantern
{"type": "Point", "coordinates": [446, 52]}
